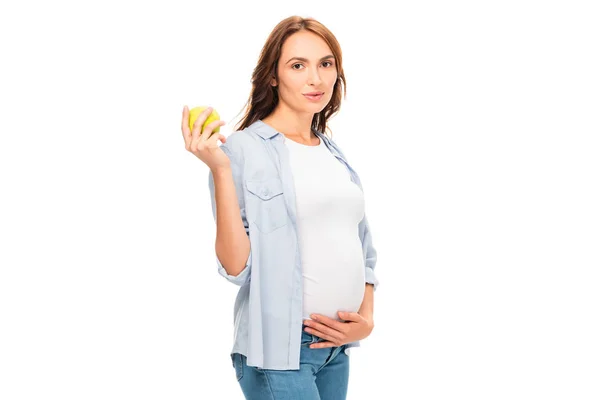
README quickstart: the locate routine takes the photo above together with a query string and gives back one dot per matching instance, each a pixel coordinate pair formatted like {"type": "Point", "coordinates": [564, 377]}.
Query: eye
{"type": "Point", "coordinates": [324, 62]}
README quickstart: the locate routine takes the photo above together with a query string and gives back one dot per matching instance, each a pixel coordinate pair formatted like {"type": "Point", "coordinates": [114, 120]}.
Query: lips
{"type": "Point", "coordinates": [313, 95]}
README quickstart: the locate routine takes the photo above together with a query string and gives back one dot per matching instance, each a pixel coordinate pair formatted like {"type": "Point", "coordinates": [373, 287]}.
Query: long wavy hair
{"type": "Point", "coordinates": [264, 97]}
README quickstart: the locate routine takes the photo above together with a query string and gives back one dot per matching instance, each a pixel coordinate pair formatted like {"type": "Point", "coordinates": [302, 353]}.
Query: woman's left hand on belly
{"type": "Point", "coordinates": [336, 333]}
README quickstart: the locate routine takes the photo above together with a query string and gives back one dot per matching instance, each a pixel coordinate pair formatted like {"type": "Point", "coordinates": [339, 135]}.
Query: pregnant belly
{"type": "Point", "coordinates": [328, 291]}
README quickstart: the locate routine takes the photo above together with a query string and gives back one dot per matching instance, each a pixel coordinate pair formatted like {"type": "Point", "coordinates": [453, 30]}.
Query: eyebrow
{"type": "Point", "coordinates": [306, 59]}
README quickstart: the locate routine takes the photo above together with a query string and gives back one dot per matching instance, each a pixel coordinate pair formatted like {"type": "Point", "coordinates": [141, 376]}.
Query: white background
{"type": "Point", "coordinates": [473, 126]}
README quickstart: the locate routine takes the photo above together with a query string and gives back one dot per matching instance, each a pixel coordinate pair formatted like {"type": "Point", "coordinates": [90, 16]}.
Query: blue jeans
{"type": "Point", "coordinates": [323, 375]}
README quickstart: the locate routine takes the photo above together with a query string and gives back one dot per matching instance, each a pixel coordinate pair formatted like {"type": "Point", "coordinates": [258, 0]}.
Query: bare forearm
{"type": "Point", "coordinates": [366, 308]}
{"type": "Point", "coordinates": [232, 244]}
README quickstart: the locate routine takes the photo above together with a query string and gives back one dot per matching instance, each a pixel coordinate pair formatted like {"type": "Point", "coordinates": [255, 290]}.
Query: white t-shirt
{"type": "Point", "coordinates": [329, 207]}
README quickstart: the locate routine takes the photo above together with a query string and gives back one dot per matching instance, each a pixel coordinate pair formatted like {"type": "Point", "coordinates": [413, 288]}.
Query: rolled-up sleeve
{"type": "Point", "coordinates": [244, 276]}
{"type": "Point", "coordinates": [369, 252]}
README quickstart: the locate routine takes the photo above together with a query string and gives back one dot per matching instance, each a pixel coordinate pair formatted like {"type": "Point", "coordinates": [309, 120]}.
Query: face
{"type": "Point", "coordinates": [312, 71]}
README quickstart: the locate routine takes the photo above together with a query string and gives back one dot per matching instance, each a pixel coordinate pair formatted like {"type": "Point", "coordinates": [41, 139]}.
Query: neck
{"type": "Point", "coordinates": [292, 124]}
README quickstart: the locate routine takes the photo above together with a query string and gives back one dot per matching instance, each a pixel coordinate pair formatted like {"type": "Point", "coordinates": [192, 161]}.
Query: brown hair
{"type": "Point", "coordinates": [264, 97]}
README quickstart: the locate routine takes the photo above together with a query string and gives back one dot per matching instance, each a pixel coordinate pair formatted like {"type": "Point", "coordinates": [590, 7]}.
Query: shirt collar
{"type": "Point", "coordinates": [267, 131]}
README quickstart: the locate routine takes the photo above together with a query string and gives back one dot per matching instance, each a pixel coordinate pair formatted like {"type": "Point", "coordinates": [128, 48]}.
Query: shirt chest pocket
{"type": "Point", "coordinates": [266, 204]}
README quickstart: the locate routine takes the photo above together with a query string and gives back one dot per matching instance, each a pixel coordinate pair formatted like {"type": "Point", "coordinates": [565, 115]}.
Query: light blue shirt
{"type": "Point", "coordinates": [268, 307]}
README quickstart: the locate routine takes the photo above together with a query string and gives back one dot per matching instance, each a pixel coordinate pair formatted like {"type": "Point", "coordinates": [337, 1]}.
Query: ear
{"type": "Point", "coordinates": [274, 82]}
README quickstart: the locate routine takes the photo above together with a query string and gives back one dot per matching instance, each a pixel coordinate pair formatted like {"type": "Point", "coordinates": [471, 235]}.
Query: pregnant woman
{"type": "Point", "coordinates": [291, 225]}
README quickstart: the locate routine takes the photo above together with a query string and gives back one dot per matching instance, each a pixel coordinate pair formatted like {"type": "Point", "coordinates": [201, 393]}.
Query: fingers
{"type": "Point", "coordinates": [222, 138]}
{"type": "Point", "coordinates": [185, 129]}
{"type": "Point", "coordinates": [324, 331]}
{"type": "Point", "coordinates": [329, 334]}
{"type": "Point", "coordinates": [200, 121]}
{"type": "Point", "coordinates": [212, 141]}
{"type": "Point", "coordinates": [322, 319]}
{"type": "Point", "coordinates": [350, 316]}
{"type": "Point", "coordinates": [208, 130]}
{"type": "Point", "coordinates": [194, 138]}
{"type": "Point", "coordinates": [322, 345]}
{"type": "Point", "coordinates": [208, 134]}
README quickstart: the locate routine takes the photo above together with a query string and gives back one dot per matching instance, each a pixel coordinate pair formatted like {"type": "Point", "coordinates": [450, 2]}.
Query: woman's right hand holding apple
{"type": "Point", "coordinates": [203, 145]}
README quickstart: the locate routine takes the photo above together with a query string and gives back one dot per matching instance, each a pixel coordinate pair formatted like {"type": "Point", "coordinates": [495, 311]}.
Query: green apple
{"type": "Point", "coordinates": [196, 111]}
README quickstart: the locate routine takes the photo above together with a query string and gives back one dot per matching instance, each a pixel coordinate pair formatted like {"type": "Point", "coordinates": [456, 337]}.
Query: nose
{"type": "Point", "coordinates": [313, 76]}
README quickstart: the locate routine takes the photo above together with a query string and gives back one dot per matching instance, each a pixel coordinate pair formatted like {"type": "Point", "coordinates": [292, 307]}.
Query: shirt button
{"type": "Point", "coordinates": [265, 192]}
